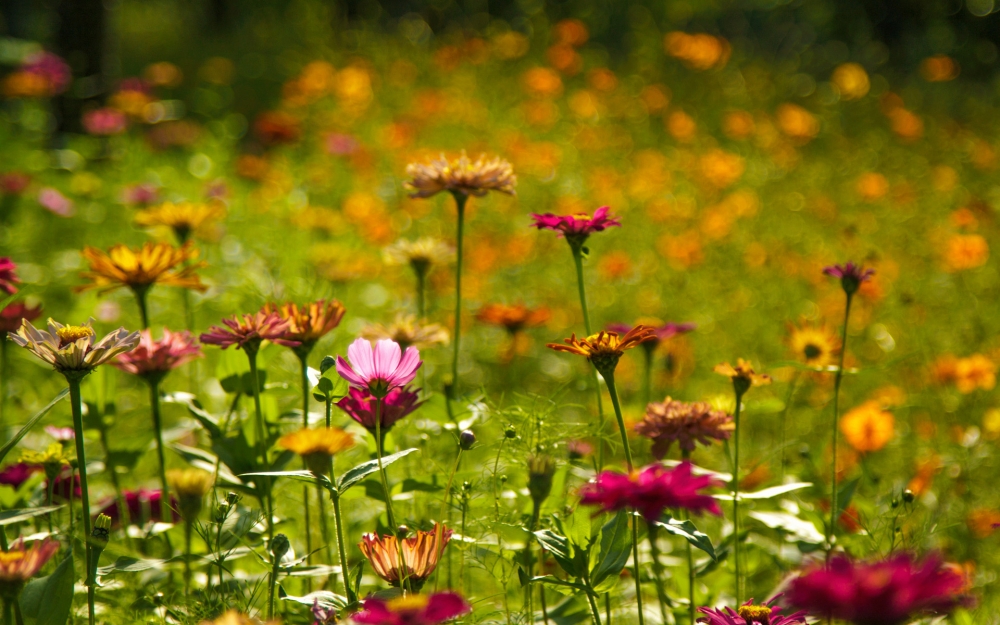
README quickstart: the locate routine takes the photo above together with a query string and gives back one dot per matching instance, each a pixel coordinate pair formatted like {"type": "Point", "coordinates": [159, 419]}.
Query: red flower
{"type": "Point", "coordinates": [877, 593]}
{"type": "Point", "coordinates": [360, 405]}
{"type": "Point", "coordinates": [651, 490]}
{"type": "Point", "coordinates": [156, 358]}
{"type": "Point", "coordinates": [12, 316]}
{"type": "Point", "coordinates": [576, 227]}
{"type": "Point", "coordinates": [412, 610]}
{"type": "Point", "coordinates": [249, 331]}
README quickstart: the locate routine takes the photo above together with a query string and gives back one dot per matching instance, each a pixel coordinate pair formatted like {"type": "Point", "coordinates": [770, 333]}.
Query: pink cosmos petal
{"type": "Point", "coordinates": [362, 359]}
{"type": "Point", "coordinates": [406, 370]}
{"type": "Point", "coordinates": [386, 358]}
{"type": "Point", "coordinates": [345, 371]}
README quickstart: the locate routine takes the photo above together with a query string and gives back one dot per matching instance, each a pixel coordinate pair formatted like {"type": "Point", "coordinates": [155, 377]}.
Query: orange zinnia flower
{"type": "Point", "coordinates": [420, 553]}
{"type": "Point", "coordinates": [742, 375]}
{"type": "Point", "coordinates": [512, 318]}
{"type": "Point", "coordinates": [317, 447]}
{"type": "Point", "coordinates": [868, 427]}
{"type": "Point", "coordinates": [139, 269]}
{"type": "Point", "coordinates": [604, 349]}
{"type": "Point", "coordinates": [183, 218]}
{"type": "Point", "coordinates": [308, 323]}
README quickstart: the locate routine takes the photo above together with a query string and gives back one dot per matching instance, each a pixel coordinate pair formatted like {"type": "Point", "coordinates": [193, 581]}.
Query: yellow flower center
{"type": "Point", "coordinates": [754, 613]}
{"type": "Point", "coordinates": [69, 334]}
{"type": "Point", "coordinates": [409, 603]}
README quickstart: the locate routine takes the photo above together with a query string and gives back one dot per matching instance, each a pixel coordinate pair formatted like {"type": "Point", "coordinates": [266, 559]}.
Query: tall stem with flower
{"type": "Point", "coordinates": [743, 377]}
{"type": "Point", "coordinates": [71, 351]}
{"type": "Point", "coordinates": [851, 278]}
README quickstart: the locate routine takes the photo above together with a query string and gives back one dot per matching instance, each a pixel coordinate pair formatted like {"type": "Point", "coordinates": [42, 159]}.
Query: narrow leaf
{"type": "Point", "coordinates": [363, 470]}
{"type": "Point", "coordinates": [31, 423]}
{"type": "Point", "coordinates": [688, 531]}
{"type": "Point", "coordinates": [9, 517]}
{"type": "Point", "coordinates": [616, 544]}
{"type": "Point", "coordinates": [767, 493]}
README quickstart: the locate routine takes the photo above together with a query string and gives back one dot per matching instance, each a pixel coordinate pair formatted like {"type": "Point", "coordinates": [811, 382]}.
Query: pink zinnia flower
{"type": "Point", "coordinates": [249, 331]}
{"type": "Point", "coordinates": [412, 609]}
{"type": "Point", "coordinates": [749, 614]}
{"type": "Point", "coordinates": [576, 228]}
{"type": "Point", "coordinates": [663, 333]}
{"type": "Point", "coordinates": [105, 122]}
{"type": "Point", "coordinates": [143, 506]}
{"type": "Point", "coordinates": [14, 183]}
{"type": "Point", "coordinates": [50, 66]}
{"type": "Point", "coordinates": [154, 359]}
{"type": "Point", "coordinates": [143, 194]}
{"type": "Point", "coordinates": [889, 592]}
{"type": "Point", "coordinates": [851, 275]}
{"type": "Point", "coordinates": [13, 315]}
{"type": "Point", "coordinates": [55, 202]}
{"type": "Point", "coordinates": [341, 144]}
{"type": "Point", "coordinates": [8, 277]}
{"type": "Point", "coordinates": [651, 490]}
{"type": "Point", "coordinates": [360, 405]}
{"type": "Point", "coordinates": [686, 423]}
{"type": "Point", "coordinates": [379, 370]}
{"type": "Point", "coordinates": [60, 434]}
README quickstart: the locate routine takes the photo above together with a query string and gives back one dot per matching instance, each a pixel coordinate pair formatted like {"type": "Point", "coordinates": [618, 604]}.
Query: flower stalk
{"type": "Point", "coordinates": [460, 200]}
{"type": "Point", "coordinates": [73, 378]}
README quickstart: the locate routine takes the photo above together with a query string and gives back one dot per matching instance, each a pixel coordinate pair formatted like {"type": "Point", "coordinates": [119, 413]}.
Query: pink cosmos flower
{"type": "Point", "coordinates": [651, 490]}
{"type": "Point", "coordinates": [55, 202]}
{"type": "Point", "coordinates": [851, 275]}
{"type": "Point", "coordinates": [412, 609]}
{"type": "Point", "coordinates": [749, 614]}
{"type": "Point", "coordinates": [249, 331]}
{"type": "Point", "coordinates": [14, 183]}
{"type": "Point", "coordinates": [155, 359]}
{"type": "Point", "coordinates": [379, 370]}
{"type": "Point", "coordinates": [143, 194]}
{"type": "Point", "coordinates": [889, 592]}
{"type": "Point", "coordinates": [105, 122]}
{"type": "Point", "coordinates": [13, 315]}
{"type": "Point", "coordinates": [576, 227]}
{"type": "Point", "coordinates": [360, 405]}
{"type": "Point", "coordinates": [60, 434]}
{"type": "Point", "coordinates": [8, 277]}
{"type": "Point", "coordinates": [51, 67]}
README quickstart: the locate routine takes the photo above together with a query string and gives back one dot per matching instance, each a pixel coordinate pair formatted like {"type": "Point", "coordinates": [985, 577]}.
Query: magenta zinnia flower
{"type": "Point", "coordinates": [749, 614]}
{"type": "Point", "coordinates": [249, 331]}
{"type": "Point", "coordinates": [877, 593]}
{"type": "Point", "coordinates": [18, 473]}
{"type": "Point", "coordinates": [12, 316]}
{"type": "Point", "coordinates": [143, 506]}
{"type": "Point", "coordinates": [412, 609]}
{"type": "Point", "coordinates": [576, 228]}
{"type": "Point", "coordinates": [379, 370]}
{"type": "Point", "coordinates": [104, 122]}
{"type": "Point", "coordinates": [51, 67]}
{"type": "Point", "coordinates": [851, 275]}
{"type": "Point", "coordinates": [651, 490]}
{"type": "Point", "coordinates": [360, 405]}
{"type": "Point", "coordinates": [14, 183]}
{"type": "Point", "coordinates": [8, 277]}
{"type": "Point", "coordinates": [155, 359]}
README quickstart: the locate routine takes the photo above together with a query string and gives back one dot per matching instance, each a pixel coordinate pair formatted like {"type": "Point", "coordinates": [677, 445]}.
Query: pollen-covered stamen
{"type": "Point", "coordinates": [71, 334]}
{"type": "Point", "coordinates": [412, 602]}
{"type": "Point", "coordinates": [755, 613]}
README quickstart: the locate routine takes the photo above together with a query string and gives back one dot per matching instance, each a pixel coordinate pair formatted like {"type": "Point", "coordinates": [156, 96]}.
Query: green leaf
{"type": "Point", "coordinates": [767, 493]}
{"type": "Point", "coordinates": [9, 517]}
{"type": "Point", "coordinates": [299, 476]}
{"type": "Point", "coordinates": [688, 531]}
{"type": "Point", "coordinates": [126, 458]}
{"type": "Point", "coordinates": [207, 421]}
{"type": "Point", "coordinates": [31, 423]}
{"type": "Point", "coordinates": [562, 551]}
{"type": "Point", "coordinates": [327, 385]}
{"type": "Point", "coordinates": [561, 585]}
{"type": "Point", "coordinates": [47, 600]}
{"type": "Point", "coordinates": [363, 470]}
{"type": "Point", "coordinates": [411, 485]}
{"type": "Point", "coordinates": [846, 494]}
{"type": "Point", "coordinates": [616, 543]}
{"type": "Point", "coordinates": [573, 610]}
{"type": "Point", "coordinates": [324, 598]}
{"type": "Point", "coordinates": [126, 564]}
{"type": "Point", "coordinates": [798, 529]}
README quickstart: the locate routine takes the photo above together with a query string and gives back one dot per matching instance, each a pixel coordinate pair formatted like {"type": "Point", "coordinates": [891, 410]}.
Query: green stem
{"type": "Point", "coordinates": [647, 383]}
{"type": "Point", "coordinates": [303, 358]}
{"type": "Point", "coordinates": [3, 385]}
{"type": "Point", "coordinates": [76, 403]}
{"type": "Point", "coordinates": [8, 611]}
{"type": "Point", "coordinates": [445, 507]}
{"type": "Point", "coordinates": [421, 293]}
{"type": "Point", "coordinates": [272, 583]}
{"type": "Point", "coordinates": [388, 495]}
{"type": "Point", "coordinates": [692, 611]}
{"type": "Point", "coordinates": [593, 607]}
{"type": "Point", "coordinates": [338, 521]}
{"type": "Point", "coordinates": [658, 571]}
{"type": "Point", "coordinates": [460, 200]}
{"type": "Point", "coordinates": [154, 404]}
{"type": "Point", "coordinates": [140, 297]}
{"type": "Point", "coordinates": [736, 497]}
{"type": "Point", "coordinates": [784, 422]}
{"type": "Point", "coordinates": [324, 529]}
{"type": "Point", "coordinates": [635, 560]}
{"type": "Point", "coordinates": [261, 439]}
{"type": "Point", "coordinates": [218, 547]}
{"type": "Point", "coordinates": [836, 424]}
{"type": "Point", "coordinates": [578, 261]}
{"type": "Point", "coordinates": [529, 558]}
{"type": "Point", "coordinates": [609, 379]}
{"type": "Point", "coordinates": [496, 478]}
{"type": "Point", "coordinates": [188, 526]}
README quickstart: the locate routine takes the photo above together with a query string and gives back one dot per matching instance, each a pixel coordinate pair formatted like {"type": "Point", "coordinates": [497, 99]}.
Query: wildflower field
{"type": "Point", "coordinates": [625, 315]}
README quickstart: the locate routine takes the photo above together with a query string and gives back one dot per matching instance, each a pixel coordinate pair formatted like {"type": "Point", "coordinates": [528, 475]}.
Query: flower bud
{"type": "Point", "coordinates": [510, 432]}
{"type": "Point", "coordinates": [101, 532]}
{"type": "Point", "coordinates": [467, 439]}
{"type": "Point", "coordinates": [541, 468]}
{"type": "Point", "coordinates": [908, 496]}
{"type": "Point", "coordinates": [221, 512]}
{"type": "Point", "coordinates": [279, 546]}
{"type": "Point", "coordinates": [233, 498]}
{"type": "Point", "coordinates": [402, 531]}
